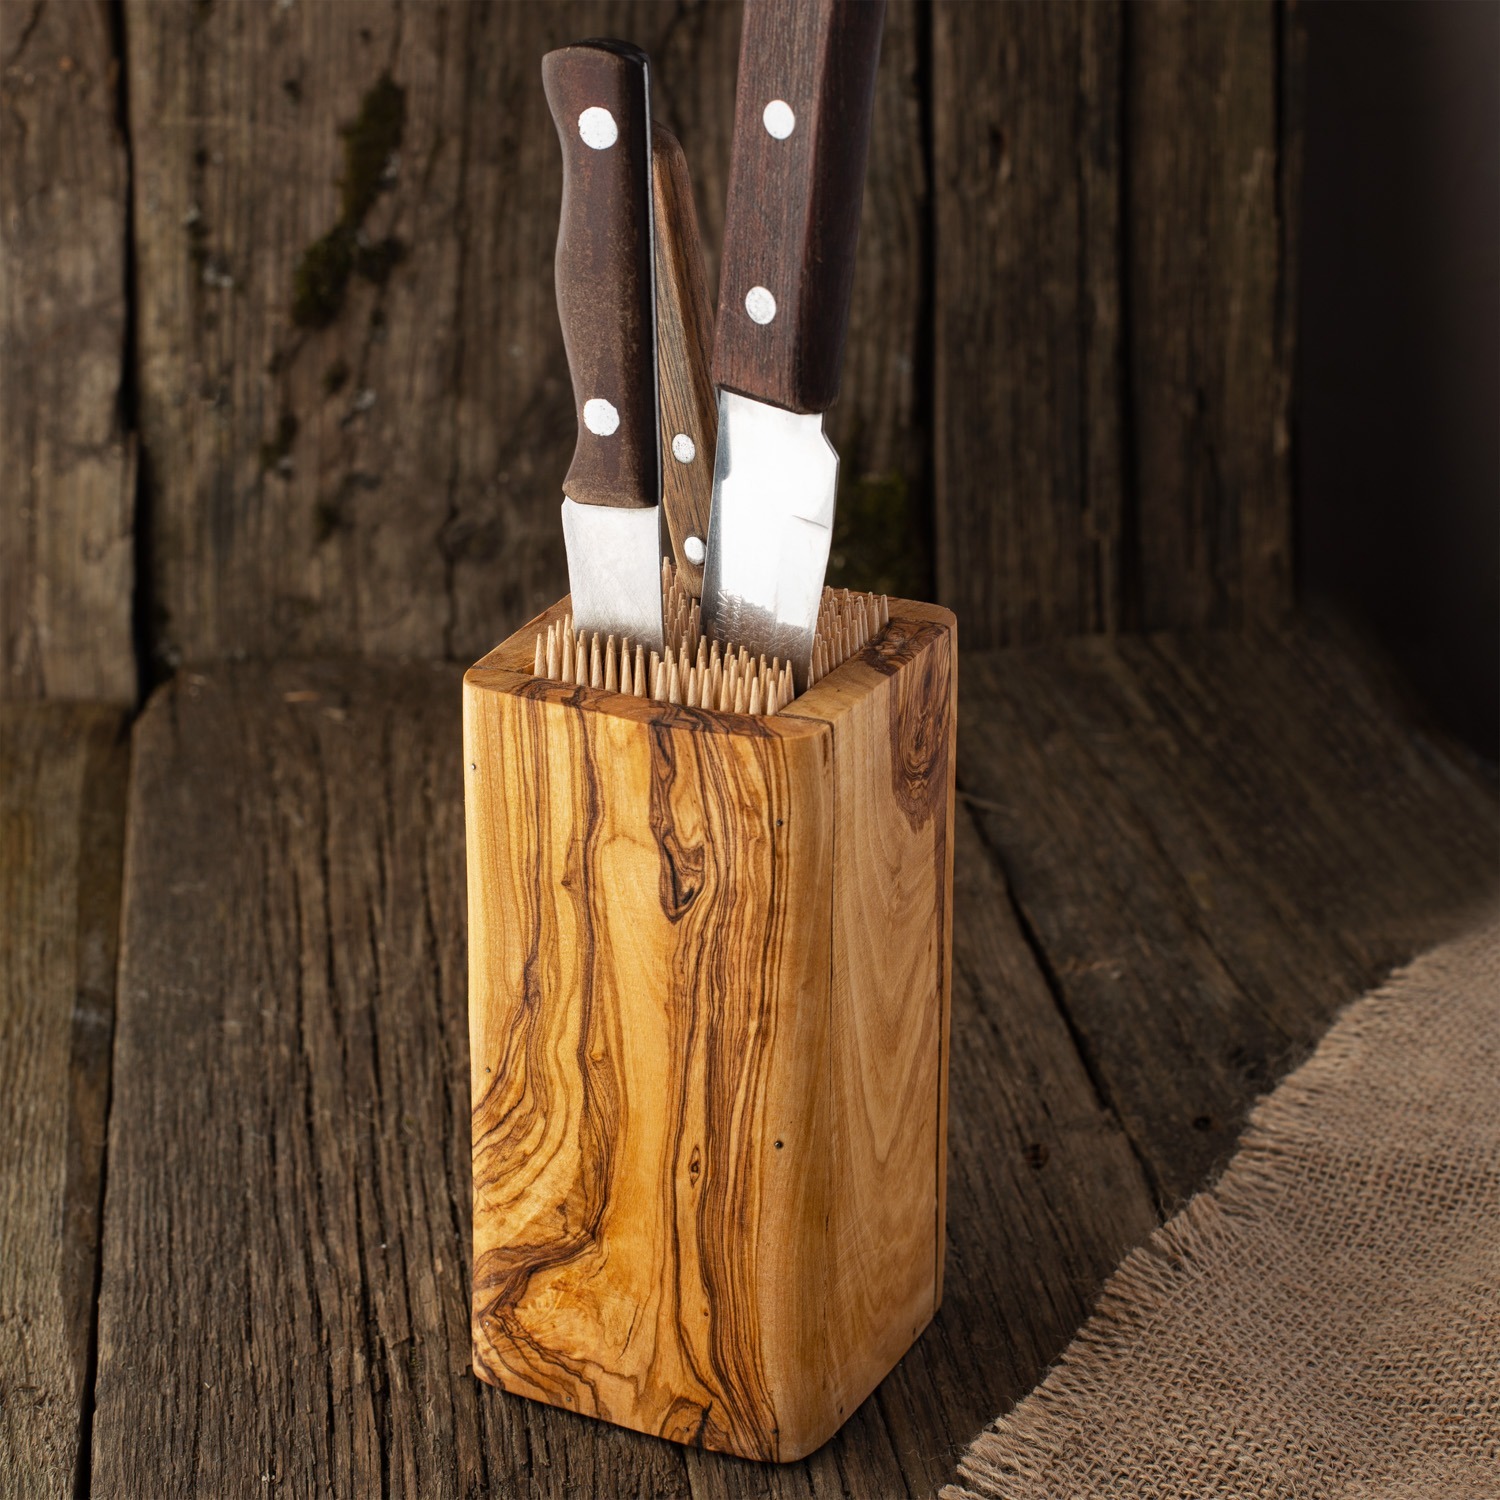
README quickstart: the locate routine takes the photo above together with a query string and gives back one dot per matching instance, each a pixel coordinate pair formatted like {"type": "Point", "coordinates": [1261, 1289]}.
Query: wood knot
{"type": "Point", "coordinates": [921, 733]}
{"type": "Point", "coordinates": [682, 864]}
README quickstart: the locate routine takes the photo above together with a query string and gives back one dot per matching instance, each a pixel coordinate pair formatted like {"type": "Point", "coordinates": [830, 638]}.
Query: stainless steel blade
{"type": "Point", "coordinates": [775, 476]}
{"type": "Point", "coordinates": [614, 569]}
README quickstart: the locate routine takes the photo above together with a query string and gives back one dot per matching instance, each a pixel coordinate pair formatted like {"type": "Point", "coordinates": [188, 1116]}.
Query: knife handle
{"type": "Point", "coordinates": [796, 179]}
{"type": "Point", "coordinates": [684, 331]}
{"type": "Point", "coordinates": [599, 96]}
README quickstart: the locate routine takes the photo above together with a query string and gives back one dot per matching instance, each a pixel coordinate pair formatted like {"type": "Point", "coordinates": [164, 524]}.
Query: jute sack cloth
{"type": "Point", "coordinates": [1325, 1321]}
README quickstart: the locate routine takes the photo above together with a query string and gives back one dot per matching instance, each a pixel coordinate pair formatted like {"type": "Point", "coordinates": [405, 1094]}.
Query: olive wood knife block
{"type": "Point", "coordinates": [708, 1007]}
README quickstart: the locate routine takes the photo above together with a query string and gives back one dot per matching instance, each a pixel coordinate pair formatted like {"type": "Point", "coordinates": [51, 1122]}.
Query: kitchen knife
{"type": "Point", "coordinates": [599, 94]}
{"type": "Point", "coordinates": [684, 330]}
{"type": "Point", "coordinates": [796, 178]}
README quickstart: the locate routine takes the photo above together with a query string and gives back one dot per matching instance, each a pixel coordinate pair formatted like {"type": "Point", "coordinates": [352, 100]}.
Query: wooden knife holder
{"type": "Point", "coordinates": [708, 1004]}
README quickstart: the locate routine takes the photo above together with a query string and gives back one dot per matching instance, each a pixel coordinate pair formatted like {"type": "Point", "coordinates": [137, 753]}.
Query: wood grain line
{"type": "Point", "coordinates": [705, 1128]}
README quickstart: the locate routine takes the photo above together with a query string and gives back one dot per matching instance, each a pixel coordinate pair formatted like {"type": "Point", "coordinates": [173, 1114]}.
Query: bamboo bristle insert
{"type": "Point", "coordinates": [708, 672]}
{"type": "Point", "coordinates": [709, 980]}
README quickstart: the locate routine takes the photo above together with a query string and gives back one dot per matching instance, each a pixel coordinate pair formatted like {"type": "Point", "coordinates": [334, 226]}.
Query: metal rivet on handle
{"type": "Point", "coordinates": [600, 417]}
{"type": "Point", "coordinates": [694, 551]}
{"type": "Point", "coordinates": [597, 127]}
{"type": "Point", "coordinates": [684, 449]}
{"type": "Point", "coordinates": [760, 304]}
{"type": "Point", "coordinates": [779, 120]}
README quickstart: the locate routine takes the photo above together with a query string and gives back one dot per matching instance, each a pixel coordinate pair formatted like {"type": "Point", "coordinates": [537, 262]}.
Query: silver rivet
{"type": "Point", "coordinates": [597, 127]}
{"type": "Point", "coordinates": [692, 549]}
{"type": "Point", "coordinates": [779, 119]}
{"type": "Point", "coordinates": [600, 417]}
{"type": "Point", "coordinates": [684, 449]}
{"type": "Point", "coordinates": [760, 304]}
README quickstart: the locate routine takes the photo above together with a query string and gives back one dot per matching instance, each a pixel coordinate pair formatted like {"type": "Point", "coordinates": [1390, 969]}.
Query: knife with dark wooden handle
{"type": "Point", "coordinates": [684, 334]}
{"type": "Point", "coordinates": [796, 181]}
{"type": "Point", "coordinates": [803, 104]}
{"type": "Point", "coordinates": [599, 94]}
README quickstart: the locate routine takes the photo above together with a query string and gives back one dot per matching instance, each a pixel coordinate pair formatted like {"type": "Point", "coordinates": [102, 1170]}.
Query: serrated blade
{"type": "Point", "coordinates": [614, 570]}
{"type": "Point", "coordinates": [769, 529]}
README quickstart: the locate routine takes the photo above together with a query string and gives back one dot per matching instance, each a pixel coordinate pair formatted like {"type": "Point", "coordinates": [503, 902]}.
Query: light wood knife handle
{"type": "Point", "coordinates": [684, 336]}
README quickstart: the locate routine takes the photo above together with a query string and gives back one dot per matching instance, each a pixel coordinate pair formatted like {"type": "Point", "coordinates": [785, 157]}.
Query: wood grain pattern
{"type": "Point", "coordinates": [1028, 462]}
{"type": "Point", "coordinates": [1068, 364]}
{"type": "Point", "coordinates": [1210, 349]}
{"type": "Point", "coordinates": [284, 1299]}
{"type": "Point", "coordinates": [684, 337]}
{"type": "Point", "coordinates": [384, 476]}
{"type": "Point", "coordinates": [792, 219]}
{"type": "Point", "coordinates": [1115, 239]}
{"type": "Point", "coordinates": [1298, 856]}
{"type": "Point", "coordinates": [62, 824]}
{"type": "Point", "coordinates": [605, 271]}
{"type": "Point", "coordinates": [67, 502]}
{"type": "Point", "coordinates": [892, 709]}
{"type": "Point", "coordinates": [387, 481]}
{"type": "Point", "coordinates": [679, 1225]}
{"type": "Point", "coordinates": [286, 1236]}
{"type": "Point", "coordinates": [354, 1281]}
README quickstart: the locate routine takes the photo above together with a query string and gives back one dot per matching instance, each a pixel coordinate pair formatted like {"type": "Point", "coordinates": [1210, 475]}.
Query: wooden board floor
{"type": "Point", "coordinates": [1177, 857]}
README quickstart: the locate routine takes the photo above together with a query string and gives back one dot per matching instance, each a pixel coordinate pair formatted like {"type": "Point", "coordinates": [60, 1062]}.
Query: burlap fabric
{"type": "Point", "coordinates": [1326, 1320]}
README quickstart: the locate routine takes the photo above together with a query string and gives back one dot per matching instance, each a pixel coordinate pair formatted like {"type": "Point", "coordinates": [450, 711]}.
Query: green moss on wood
{"type": "Point", "coordinates": [197, 233]}
{"type": "Point", "coordinates": [369, 144]}
{"type": "Point", "coordinates": [376, 262]}
{"type": "Point", "coordinates": [320, 280]}
{"type": "Point", "coordinates": [279, 447]}
{"type": "Point", "coordinates": [328, 518]}
{"type": "Point", "coordinates": [877, 538]}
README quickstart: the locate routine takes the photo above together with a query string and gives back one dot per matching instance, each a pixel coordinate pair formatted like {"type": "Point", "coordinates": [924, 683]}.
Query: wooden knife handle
{"type": "Point", "coordinates": [684, 333]}
{"type": "Point", "coordinates": [796, 180]}
{"type": "Point", "coordinates": [598, 92]}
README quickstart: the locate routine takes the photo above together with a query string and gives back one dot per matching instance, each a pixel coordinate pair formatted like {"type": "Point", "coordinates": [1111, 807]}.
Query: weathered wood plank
{"type": "Point", "coordinates": [1025, 104]}
{"type": "Point", "coordinates": [300, 454]}
{"type": "Point", "coordinates": [353, 387]}
{"type": "Point", "coordinates": [1208, 244]}
{"type": "Point", "coordinates": [284, 1298]}
{"type": "Point", "coordinates": [881, 425]}
{"type": "Point", "coordinates": [1218, 840]}
{"type": "Point", "coordinates": [1214, 840]}
{"type": "Point", "coordinates": [285, 1282]}
{"type": "Point", "coordinates": [67, 504]}
{"type": "Point", "coordinates": [1115, 210]}
{"type": "Point", "coordinates": [1396, 837]}
{"type": "Point", "coordinates": [62, 823]}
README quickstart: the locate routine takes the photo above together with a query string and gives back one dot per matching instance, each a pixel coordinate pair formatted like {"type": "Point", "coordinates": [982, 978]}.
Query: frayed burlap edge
{"type": "Point", "coordinates": [1017, 1457]}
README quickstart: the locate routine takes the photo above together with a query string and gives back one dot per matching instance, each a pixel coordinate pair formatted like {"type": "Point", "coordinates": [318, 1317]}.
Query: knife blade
{"type": "Point", "coordinates": [684, 332]}
{"type": "Point", "coordinates": [599, 95]}
{"type": "Point", "coordinates": [796, 180]}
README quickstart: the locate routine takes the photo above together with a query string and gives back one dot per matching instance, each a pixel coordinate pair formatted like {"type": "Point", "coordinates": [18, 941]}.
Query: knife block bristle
{"type": "Point", "coordinates": [708, 1000]}
{"type": "Point", "coordinates": [707, 674]}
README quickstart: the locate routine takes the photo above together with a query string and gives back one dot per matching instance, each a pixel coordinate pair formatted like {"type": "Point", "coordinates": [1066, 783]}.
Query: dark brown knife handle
{"type": "Point", "coordinates": [796, 180]}
{"type": "Point", "coordinates": [599, 96]}
{"type": "Point", "coordinates": [684, 336]}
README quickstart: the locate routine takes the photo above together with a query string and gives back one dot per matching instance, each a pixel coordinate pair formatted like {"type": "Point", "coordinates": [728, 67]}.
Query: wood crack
{"type": "Point", "coordinates": [1055, 987]}
{"type": "Point", "coordinates": [32, 22]}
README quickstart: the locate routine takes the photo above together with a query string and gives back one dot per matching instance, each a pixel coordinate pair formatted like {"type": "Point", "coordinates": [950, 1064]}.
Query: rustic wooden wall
{"type": "Point", "coordinates": [1114, 202]}
{"type": "Point", "coordinates": [67, 479]}
{"type": "Point", "coordinates": [1066, 395]}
